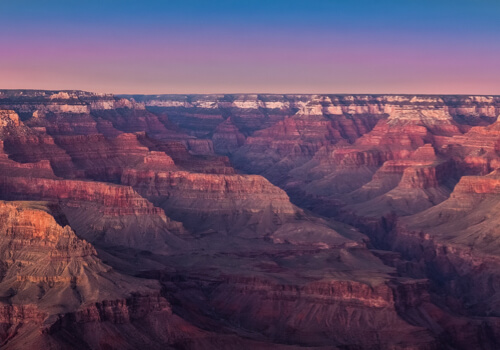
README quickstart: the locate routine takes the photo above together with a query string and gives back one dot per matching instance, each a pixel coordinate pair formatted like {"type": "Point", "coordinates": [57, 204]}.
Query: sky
{"type": "Point", "coordinates": [242, 46]}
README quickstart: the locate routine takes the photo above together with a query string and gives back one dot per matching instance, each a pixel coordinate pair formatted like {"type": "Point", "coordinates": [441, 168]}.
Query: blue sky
{"type": "Point", "coordinates": [252, 46]}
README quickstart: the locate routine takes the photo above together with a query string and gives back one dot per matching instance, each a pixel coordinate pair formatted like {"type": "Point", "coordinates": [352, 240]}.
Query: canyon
{"type": "Point", "coordinates": [249, 221]}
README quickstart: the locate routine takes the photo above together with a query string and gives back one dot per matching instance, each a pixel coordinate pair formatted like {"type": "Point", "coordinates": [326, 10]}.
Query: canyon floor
{"type": "Point", "coordinates": [249, 221]}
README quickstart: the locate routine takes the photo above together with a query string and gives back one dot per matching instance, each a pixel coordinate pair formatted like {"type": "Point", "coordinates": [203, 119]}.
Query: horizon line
{"type": "Point", "coordinates": [256, 93]}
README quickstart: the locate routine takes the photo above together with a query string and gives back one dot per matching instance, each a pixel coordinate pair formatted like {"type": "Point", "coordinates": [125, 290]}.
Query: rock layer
{"type": "Point", "coordinates": [156, 187]}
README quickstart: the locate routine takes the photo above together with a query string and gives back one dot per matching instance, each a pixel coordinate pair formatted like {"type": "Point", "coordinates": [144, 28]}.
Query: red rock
{"type": "Point", "coordinates": [227, 137]}
{"type": "Point", "coordinates": [252, 269]}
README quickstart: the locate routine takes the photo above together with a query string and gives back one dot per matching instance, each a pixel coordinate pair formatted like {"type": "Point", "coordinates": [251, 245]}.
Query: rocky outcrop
{"type": "Point", "coordinates": [225, 203]}
{"type": "Point", "coordinates": [227, 137]}
{"type": "Point", "coordinates": [9, 117]}
{"type": "Point", "coordinates": [102, 213]}
{"type": "Point", "coordinates": [48, 272]}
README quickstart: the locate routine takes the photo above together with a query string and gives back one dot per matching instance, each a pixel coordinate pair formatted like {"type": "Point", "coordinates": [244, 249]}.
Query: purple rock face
{"type": "Point", "coordinates": [248, 221]}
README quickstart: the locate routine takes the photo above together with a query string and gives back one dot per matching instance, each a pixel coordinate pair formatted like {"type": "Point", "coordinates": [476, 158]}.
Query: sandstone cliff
{"type": "Point", "coordinates": [157, 187]}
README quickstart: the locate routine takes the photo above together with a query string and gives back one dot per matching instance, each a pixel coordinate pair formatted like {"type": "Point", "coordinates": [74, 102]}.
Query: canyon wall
{"type": "Point", "coordinates": [250, 221]}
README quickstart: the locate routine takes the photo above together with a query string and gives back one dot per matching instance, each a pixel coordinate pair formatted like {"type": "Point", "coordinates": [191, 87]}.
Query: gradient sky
{"type": "Point", "coordinates": [239, 46]}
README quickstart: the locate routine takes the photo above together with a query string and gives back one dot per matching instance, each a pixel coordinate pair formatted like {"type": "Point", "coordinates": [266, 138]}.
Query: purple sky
{"type": "Point", "coordinates": [252, 46]}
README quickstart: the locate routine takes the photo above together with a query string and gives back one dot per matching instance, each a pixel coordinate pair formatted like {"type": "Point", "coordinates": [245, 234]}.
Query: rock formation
{"type": "Point", "coordinates": [248, 221]}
